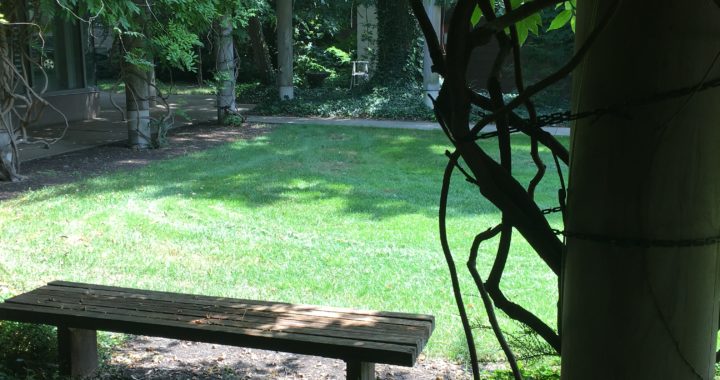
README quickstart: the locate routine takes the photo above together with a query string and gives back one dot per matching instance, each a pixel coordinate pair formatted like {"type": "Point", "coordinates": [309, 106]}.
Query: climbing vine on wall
{"type": "Point", "coordinates": [399, 49]}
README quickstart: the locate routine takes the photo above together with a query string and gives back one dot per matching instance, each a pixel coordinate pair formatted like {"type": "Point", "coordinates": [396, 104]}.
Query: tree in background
{"type": "Point", "coordinates": [398, 50]}
{"type": "Point", "coordinates": [230, 15]}
{"type": "Point", "coordinates": [323, 39]}
{"type": "Point", "coordinates": [148, 33]}
{"type": "Point", "coordinates": [283, 12]}
{"type": "Point", "coordinates": [260, 51]}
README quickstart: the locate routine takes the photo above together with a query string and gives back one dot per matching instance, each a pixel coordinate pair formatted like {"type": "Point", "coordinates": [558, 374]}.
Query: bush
{"type": "Point", "coordinates": [254, 93]}
{"type": "Point", "coordinates": [28, 351]}
{"type": "Point", "coordinates": [398, 102]}
{"type": "Point", "coordinates": [312, 59]}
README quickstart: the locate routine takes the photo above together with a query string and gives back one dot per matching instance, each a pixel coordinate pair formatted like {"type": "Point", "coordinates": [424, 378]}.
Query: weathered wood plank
{"type": "Point", "coordinates": [405, 316]}
{"type": "Point", "coordinates": [355, 336]}
{"type": "Point", "coordinates": [357, 370]}
{"type": "Point", "coordinates": [232, 314]}
{"type": "Point", "coordinates": [247, 314]}
{"type": "Point", "coordinates": [234, 321]}
{"type": "Point", "coordinates": [251, 338]}
{"type": "Point", "coordinates": [279, 307]}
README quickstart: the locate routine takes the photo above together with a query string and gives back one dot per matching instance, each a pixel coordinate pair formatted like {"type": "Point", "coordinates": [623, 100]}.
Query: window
{"type": "Point", "coordinates": [60, 52]}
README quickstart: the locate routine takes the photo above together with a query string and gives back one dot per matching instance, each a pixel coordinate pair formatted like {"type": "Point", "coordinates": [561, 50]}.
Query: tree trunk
{"type": "Point", "coordinates": [225, 68]}
{"type": "Point", "coordinates": [136, 99]}
{"type": "Point", "coordinates": [9, 160]}
{"type": "Point", "coordinates": [199, 64]}
{"type": "Point", "coordinates": [397, 30]}
{"type": "Point", "coordinates": [152, 87]}
{"type": "Point", "coordinates": [136, 88]}
{"type": "Point", "coordinates": [261, 53]}
{"type": "Point", "coordinates": [285, 48]}
{"type": "Point", "coordinates": [634, 310]}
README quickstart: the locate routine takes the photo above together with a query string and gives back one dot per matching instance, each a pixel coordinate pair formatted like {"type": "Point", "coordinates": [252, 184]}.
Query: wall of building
{"type": "Point", "coordinates": [366, 32]}
{"type": "Point", "coordinates": [68, 59]}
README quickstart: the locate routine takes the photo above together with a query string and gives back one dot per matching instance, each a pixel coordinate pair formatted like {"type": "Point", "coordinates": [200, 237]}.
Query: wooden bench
{"type": "Point", "coordinates": [360, 338]}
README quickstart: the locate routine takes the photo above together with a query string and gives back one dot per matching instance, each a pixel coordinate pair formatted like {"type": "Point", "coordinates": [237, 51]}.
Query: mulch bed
{"type": "Point", "coordinates": [157, 358]}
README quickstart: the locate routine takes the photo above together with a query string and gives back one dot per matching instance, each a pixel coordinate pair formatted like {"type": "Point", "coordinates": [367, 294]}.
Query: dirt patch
{"type": "Point", "coordinates": [83, 164]}
{"type": "Point", "coordinates": [158, 358]}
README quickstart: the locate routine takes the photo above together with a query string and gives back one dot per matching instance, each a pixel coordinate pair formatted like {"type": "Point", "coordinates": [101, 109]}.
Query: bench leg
{"type": "Point", "coordinates": [360, 370]}
{"type": "Point", "coordinates": [77, 349]}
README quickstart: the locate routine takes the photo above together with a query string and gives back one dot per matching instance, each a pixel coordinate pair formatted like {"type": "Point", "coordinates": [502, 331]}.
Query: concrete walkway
{"type": "Point", "coordinates": [109, 127]}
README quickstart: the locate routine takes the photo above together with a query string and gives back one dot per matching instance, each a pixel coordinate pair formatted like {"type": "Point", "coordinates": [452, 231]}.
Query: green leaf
{"type": "Point", "coordinates": [561, 19]}
{"type": "Point", "coordinates": [528, 25]}
{"type": "Point", "coordinates": [476, 16]}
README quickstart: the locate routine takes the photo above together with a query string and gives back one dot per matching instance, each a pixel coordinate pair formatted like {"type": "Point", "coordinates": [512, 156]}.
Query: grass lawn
{"type": "Point", "coordinates": [309, 214]}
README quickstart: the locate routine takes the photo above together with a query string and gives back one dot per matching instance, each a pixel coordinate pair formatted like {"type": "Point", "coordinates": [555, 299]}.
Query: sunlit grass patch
{"type": "Point", "coordinates": [308, 214]}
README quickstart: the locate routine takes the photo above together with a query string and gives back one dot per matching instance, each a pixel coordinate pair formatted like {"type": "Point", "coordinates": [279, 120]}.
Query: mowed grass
{"type": "Point", "coordinates": [307, 214]}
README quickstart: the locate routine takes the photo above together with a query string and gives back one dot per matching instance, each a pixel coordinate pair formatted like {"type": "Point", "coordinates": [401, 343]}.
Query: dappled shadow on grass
{"type": "Point", "coordinates": [378, 172]}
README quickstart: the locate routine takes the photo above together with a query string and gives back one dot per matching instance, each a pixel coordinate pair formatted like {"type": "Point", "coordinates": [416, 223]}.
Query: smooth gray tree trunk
{"type": "Point", "coordinates": [225, 68]}
{"type": "Point", "coordinates": [152, 88]}
{"type": "Point", "coordinates": [136, 99]}
{"type": "Point", "coordinates": [285, 49]}
{"type": "Point", "coordinates": [650, 172]}
{"type": "Point", "coordinates": [136, 86]}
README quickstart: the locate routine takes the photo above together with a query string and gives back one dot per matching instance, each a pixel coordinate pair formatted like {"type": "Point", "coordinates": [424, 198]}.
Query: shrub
{"type": "Point", "coordinates": [255, 93]}
{"type": "Point", "coordinates": [25, 348]}
{"type": "Point", "coordinates": [399, 102]}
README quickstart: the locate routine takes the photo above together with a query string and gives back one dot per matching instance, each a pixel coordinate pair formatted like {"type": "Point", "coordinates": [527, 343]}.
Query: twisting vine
{"type": "Point", "coordinates": [21, 101]}
{"type": "Point", "coordinates": [494, 178]}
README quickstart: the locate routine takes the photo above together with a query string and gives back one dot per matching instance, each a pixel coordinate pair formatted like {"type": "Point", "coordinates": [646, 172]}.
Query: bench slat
{"type": "Point", "coordinates": [279, 341]}
{"type": "Point", "coordinates": [145, 311]}
{"type": "Point", "coordinates": [404, 316]}
{"type": "Point", "coordinates": [267, 307]}
{"type": "Point", "coordinates": [347, 334]}
{"type": "Point", "coordinates": [235, 313]}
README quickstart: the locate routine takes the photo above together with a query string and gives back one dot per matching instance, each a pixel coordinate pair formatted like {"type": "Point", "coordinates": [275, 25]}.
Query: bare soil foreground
{"type": "Point", "coordinates": [156, 358]}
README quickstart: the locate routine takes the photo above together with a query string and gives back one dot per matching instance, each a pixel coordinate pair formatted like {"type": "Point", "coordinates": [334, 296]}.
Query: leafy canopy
{"type": "Point", "coordinates": [533, 23]}
{"type": "Point", "coordinates": [173, 28]}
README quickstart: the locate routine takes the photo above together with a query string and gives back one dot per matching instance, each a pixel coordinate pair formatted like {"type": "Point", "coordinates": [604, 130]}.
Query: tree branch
{"type": "Point", "coordinates": [451, 266]}
{"type": "Point", "coordinates": [489, 308]}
